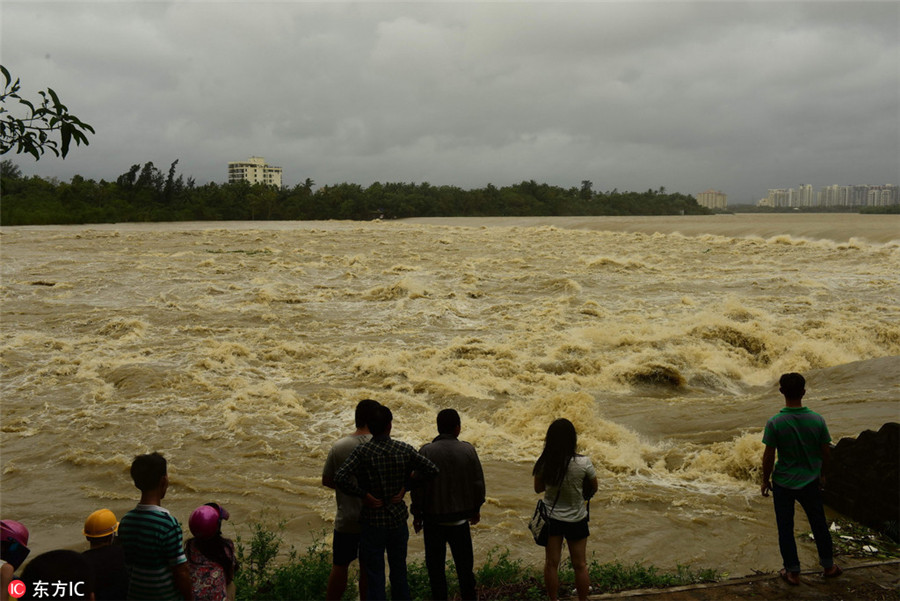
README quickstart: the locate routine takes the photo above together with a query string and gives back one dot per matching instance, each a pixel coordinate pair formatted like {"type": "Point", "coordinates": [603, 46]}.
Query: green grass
{"type": "Point", "coordinates": [500, 577]}
{"type": "Point", "coordinates": [616, 576]}
{"type": "Point", "coordinates": [268, 573]}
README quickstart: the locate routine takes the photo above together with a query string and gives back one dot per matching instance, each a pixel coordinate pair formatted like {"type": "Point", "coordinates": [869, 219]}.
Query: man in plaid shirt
{"type": "Point", "coordinates": [384, 471]}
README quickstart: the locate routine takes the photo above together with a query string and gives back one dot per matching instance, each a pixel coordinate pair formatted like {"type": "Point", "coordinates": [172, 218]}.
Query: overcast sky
{"type": "Point", "coordinates": [736, 96]}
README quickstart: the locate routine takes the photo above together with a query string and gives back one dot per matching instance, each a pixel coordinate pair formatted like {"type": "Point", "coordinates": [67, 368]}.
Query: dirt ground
{"type": "Point", "coordinates": [877, 581]}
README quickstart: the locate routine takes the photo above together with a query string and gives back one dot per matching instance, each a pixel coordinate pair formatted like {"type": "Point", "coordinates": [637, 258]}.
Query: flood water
{"type": "Point", "coordinates": [239, 350]}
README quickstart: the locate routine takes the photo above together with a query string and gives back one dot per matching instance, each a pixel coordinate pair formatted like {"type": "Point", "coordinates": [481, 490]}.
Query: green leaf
{"type": "Point", "coordinates": [35, 133]}
{"type": "Point", "coordinates": [32, 150]}
{"type": "Point", "coordinates": [65, 131]}
{"type": "Point", "coordinates": [59, 106]}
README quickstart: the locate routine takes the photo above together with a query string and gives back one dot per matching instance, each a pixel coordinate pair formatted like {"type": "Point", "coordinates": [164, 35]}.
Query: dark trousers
{"type": "Point", "coordinates": [459, 538]}
{"type": "Point", "coordinates": [810, 499]}
{"type": "Point", "coordinates": [373, 544]}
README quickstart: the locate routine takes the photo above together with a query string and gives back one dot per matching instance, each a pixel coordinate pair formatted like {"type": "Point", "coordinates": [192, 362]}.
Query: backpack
{"type": "Point", "coordinates": [207, 576]}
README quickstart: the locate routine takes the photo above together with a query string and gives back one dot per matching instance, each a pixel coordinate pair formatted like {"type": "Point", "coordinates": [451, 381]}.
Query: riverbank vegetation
{"type": "Point", "coordinates": [744, 208]}
{"type": "Point", "coordinates": [886, 210]}
{"type": "Point", "coordinates": [267, 571]}
{"type": "Point", "coordinates": [145, 193]}
{"type": "Point", "coordinates": [855, 540]}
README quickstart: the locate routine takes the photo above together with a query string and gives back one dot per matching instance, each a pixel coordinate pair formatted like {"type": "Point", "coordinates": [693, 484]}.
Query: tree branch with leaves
{"type": "Point", "coordinates": [33, 132]}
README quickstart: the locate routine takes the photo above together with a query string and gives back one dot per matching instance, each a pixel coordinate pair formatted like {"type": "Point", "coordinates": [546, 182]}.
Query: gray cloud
{"type": "Point", "coordinates": [631, 95]}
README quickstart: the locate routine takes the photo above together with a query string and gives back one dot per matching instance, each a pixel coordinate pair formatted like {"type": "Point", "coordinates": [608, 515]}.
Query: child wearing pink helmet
{"type": "Point", "coordinates": [210, 555]}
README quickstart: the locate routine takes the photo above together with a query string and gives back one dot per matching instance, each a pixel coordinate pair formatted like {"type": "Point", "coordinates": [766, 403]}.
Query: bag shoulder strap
{"type": "Point", "coordinates": [559, 488]}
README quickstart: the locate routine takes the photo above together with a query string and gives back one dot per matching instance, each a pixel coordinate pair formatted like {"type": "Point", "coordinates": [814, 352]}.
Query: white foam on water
{"type": "Point", "coordinates": [239, 351]}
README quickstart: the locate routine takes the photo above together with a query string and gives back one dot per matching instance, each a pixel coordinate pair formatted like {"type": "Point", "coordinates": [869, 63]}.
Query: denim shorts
{"type": "Point", "coordinates": [345, 548]}
{"type": "Point", "coordinates": [572, 531]}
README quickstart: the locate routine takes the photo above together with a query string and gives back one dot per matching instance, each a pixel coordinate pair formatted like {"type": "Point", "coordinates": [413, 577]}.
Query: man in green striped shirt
{"type": "Point", "coordinates": [152, 538]}
{"type": "Point", "coordinates": [801, 438]}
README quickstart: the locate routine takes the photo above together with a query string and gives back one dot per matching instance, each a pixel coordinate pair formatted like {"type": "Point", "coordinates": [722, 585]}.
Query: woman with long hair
{"type": "Point", "coordinates": [566, 479]}
{"type": "Point", "coordinates": [211, 556]}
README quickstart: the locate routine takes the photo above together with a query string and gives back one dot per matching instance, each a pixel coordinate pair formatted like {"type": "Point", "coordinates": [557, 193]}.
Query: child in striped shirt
{"type": "Point", "coordinates": [152, 538]}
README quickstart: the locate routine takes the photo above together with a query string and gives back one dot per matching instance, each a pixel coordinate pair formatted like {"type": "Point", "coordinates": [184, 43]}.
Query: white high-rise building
{"type": "Point", "coordinates": [833, 196]}
{"type": "Point", "coordinates": [806, 197]}
{"type": "Point", "coordinates": [881, 196]}
{"type": "Point", "coordinates": [836, 196]}
{"type": "Point", "coordinates": [254, 171]}
{"type": "Point", "coordinates": [779, 197]}
{"type": "Point", "coordinates": [712, 199]}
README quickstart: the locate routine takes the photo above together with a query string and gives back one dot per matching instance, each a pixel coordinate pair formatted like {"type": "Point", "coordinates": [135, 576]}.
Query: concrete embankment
{"type": "Point", "coordinates": [872, 581]}
{"type": "Point", "coordinates": [864, 479]}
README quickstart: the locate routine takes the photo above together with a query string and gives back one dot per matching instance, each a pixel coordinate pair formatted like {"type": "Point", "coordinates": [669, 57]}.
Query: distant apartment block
{"type": "Point", "coordinates": [882, 196]}
{"type": "Point", "coordinates": [254, 171]}
{"type": "Point", "coordinates": [805, 196]}
{"type": "Point", "coordinates": [712, 199]}
{"type": "Point", "coordinates": [778, 197]}
{"type": "Point", "coordinates": [833, 196]}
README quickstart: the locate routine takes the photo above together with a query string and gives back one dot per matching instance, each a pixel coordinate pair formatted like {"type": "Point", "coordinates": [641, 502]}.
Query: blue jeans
{"type": "Point", "coordinates": [373, 543]}
{"type": "Point", "coordinates": [810, 499]}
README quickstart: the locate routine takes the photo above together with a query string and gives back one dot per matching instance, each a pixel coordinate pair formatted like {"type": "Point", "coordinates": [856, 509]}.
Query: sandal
{"type": "Point", "coordinates": [833, 572]}
{"type": "Point", "coordinates": [792, 578]}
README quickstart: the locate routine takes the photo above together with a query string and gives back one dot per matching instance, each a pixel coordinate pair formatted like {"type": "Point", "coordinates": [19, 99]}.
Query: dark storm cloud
{"type": "Point", "coordinates": [736, 96]}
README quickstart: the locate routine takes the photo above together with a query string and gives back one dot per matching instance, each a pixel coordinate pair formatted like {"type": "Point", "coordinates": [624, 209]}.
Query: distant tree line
{"type": "Point", "coordinates": [145, 193]}
{"type": "Point", "coordinates": [744, 208]}
{"type": "Point", "coordinates": [885, 210]}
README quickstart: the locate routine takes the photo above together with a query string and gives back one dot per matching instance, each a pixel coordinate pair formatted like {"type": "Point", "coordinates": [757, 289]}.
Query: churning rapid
{"type": "Point", "coordinates": [239, 350]}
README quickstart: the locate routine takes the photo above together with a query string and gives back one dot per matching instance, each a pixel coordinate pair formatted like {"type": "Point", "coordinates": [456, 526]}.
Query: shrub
{"type": "Point", "coordinates": [263, 576]}
{"type": "Point", "coordinates": [255, 565]}
{"type": "Point", "coordinates": [299, 576]}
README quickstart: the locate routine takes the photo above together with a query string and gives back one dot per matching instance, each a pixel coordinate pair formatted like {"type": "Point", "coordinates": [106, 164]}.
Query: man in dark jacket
{"type": "Point", "coordinates": [448, 504]}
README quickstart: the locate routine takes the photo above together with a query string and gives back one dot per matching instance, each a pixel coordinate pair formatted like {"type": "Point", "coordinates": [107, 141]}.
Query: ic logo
{"type": "Point", "coordinates": [16, 589]}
